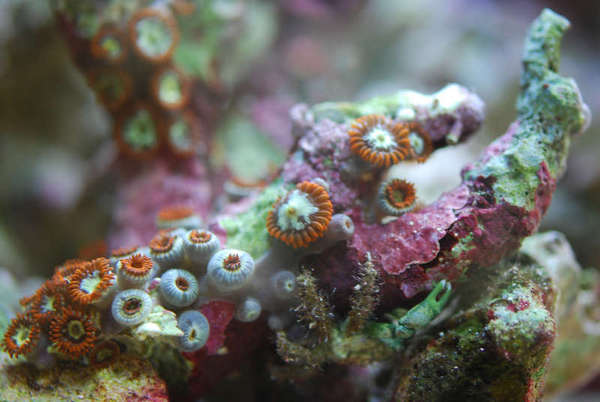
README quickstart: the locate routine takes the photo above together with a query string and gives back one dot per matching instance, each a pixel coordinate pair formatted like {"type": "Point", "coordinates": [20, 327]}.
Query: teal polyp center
{"type": "Point", "coordinates": [48, 304]}
{"type": "Point", "coordinates": [289, 286]}
{"type": "Point", "coordinates": [111, 46]}
{"type": "Point", "coordinates": [397, 196]}
{"type": "Point", "coordinates": [75, 330]}
{"type": "Point", "coordinates": [139, 132]}
{"type": "Point", "coordinates": [154, 38]}
{"type": "Point", "coordinates": [417, 143]}
{"type": "Point", "coordinates": [194, 334]}
{"type": "Point", "coordinates": [21, 335]}
{"type": "Point", "coordinates": [295, 212]}
{"type": "Point", "coordinates": [179, 135]}
{"type": "Point", "coordinates": [132, 306]}
{"type": "Point", "coordinates": [380, 138]}
{"type": "Point", "coordinates": [252, 315]}
{"type": "Point", "coordinates": [90, 282]}
{"type": "Point", "coordinates": [169, 88]}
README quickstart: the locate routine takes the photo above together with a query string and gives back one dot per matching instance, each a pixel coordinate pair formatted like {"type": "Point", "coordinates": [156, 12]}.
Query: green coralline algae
{"type": "Point", "coordinates": [126, 379]}
{"type": "Point", "coordinates": [519, 320]}
{"type": "Point", "coordinates": [550, 110]}
{"type": "Point", "coordinates": [403, 105]}
{"type": "Point", "coordinates": [247, 231]}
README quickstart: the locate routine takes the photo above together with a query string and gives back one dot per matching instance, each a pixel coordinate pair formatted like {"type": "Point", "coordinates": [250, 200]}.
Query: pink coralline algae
{"type": "Point", "coordinates": [219, 314]}
{"type": "Point", "coordinates": [418, 248]}
{"type": "Point", "coordinates": [141, 197]}
{"type": "Point", "coordinates": [476, 224]}
{"type": "Point", "coordinates": [231, 344]}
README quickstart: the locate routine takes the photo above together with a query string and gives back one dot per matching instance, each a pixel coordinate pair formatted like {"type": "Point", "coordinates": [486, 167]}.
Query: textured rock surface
{"type": "Point", "coordinates": [502, 198]}
{"type": "Point", "coordinates": [126, 379]}
{"type": "Point", "coordinates": [502, 342]}
{"type": "Point", "coordinates": [497, 344]}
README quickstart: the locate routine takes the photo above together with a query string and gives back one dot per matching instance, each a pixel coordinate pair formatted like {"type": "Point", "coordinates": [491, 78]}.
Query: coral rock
{"type": "Point", "coordinates": [125, 379]}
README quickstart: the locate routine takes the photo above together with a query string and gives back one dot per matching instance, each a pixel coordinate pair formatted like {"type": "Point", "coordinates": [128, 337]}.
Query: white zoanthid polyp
{"type": "Point", "coordinates": [200, 245]}
{"type": "Point", "coordinates": [167, 250]}
{"type": "Point", "coordinates": [230, 269]}
{"type": "Point", "coordinates": [249, 310]}
{"type": "Point", "coordinates": [295, 213]}
{"type": "Point", "coordinates": [178, 287]}
{"type": "Point", "coordinates": [196, 330]}
{"type": "Point", "coordinates": [131, 306]}
{"type": "Point", "coordinates": [380, 138]}
{"type": "Point", "coordinates": [283, 284]}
